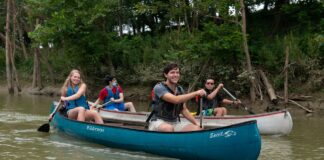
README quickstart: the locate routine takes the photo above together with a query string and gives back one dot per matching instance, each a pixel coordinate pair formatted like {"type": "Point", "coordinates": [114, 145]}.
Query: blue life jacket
{"type": "Point", "coordinates": [81, 101]}
{"type": "Point", "coordinates": [111, 94]}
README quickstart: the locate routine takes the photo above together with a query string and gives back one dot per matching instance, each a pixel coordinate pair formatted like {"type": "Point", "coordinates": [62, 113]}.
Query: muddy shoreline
{"type": "Point", "coordinates": [142, 93]}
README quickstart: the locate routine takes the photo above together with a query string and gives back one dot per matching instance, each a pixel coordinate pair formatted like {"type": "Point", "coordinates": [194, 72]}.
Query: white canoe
{"type": "Point", "coordinates": [271, 123]}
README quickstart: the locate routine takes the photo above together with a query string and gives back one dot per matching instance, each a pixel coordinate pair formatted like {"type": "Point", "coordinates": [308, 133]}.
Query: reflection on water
{"type": "Point", "coordinates": [20, 140]}
{"type": "Point", "coordinates": [308, 138]}
{"type": "Point", "coordinates": [274, 147]}
{"type": "Point", "coordinates": [305, 142]}
{"type": "Point", "coordinates": [21, 115]}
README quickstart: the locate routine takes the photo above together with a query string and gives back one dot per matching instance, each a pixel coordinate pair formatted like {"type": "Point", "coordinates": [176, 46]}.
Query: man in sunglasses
{"type": "Point", "coordinates": [213, 101]}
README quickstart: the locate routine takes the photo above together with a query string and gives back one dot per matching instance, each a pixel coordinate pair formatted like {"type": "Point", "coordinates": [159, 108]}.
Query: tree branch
{"type": "Point", "coordinates": [3, 37]}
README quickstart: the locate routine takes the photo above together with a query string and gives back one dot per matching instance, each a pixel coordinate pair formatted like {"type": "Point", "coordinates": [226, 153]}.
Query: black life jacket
{"type": "Point", "coordinates": [208, 104]}
{"type": "Point", "coordinates": [166, 110]}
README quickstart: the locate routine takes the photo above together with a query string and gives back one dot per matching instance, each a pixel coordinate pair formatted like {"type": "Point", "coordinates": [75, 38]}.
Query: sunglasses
{"type": "Point", "coordinates": [210, 83]}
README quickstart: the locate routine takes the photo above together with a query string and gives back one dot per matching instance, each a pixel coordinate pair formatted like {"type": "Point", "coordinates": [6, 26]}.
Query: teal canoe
{"type": "Point", "coordinates": [240, 141]}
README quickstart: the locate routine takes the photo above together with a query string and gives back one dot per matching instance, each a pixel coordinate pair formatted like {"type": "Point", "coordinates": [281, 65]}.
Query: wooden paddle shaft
{"type": "Point", "coordinates": [201, 114]}
{"type": "Point", "coordinates": [229, 94]}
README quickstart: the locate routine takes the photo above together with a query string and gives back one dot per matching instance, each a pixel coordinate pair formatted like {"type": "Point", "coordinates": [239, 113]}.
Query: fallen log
{"type": "Point", "coordinates": [299, 97]}
{"type": "Point", "coordinates": [269, 88]}
{"type": "Point", "coordinates": [299, 105]}
{"type": "Point", "coordinates": [286, 75]}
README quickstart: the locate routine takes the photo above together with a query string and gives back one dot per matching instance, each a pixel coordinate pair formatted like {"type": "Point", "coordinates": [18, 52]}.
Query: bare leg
{"type": "Point", "coordinates": [224, 111]}
{"type": "Point", "coordinates": [93, 115]}
{"type": "Point", "coordinates": [164, 127]}
{"type": "Point", "coordinates": [77, 113]}
{"type": "Point", "coordinates": [218, 112]}
{"type": "Point", "coordinates": [130, 106]}
{"type": "Point", "coordinates": [191, 127]}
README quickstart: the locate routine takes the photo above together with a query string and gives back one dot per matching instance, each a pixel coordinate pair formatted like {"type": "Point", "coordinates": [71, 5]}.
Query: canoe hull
{"type": "Point", "coordinates": [272, 123]}
{"type": "Point", "coordinates": [241, 139]}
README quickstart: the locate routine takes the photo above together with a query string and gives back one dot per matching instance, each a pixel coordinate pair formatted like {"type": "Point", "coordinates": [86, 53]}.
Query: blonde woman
{"type": "Point", "coordinates": [73, 92]}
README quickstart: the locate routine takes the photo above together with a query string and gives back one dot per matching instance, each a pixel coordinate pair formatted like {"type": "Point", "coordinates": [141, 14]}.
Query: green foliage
{"type": "Point", "coordinates": [221, 42]}
{"type": "Point", "coordinates": [86, 35]}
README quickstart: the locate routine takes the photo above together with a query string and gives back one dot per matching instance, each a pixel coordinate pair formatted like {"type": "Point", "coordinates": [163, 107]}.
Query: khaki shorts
{"type": "Point", "coordinates": [178, 126]}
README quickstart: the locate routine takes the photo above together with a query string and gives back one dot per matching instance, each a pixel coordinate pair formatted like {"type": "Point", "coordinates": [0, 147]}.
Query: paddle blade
{"type": "Point", "coordinates": [247, 109]}
{"type": "Point", "coordinates": [250, 112]}
{"type": "Point", "coordinates": [44, 128]}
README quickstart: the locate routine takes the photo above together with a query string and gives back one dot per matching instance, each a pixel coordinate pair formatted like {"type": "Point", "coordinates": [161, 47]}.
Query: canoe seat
{"type": "Point", "coordinates": [125, 125]}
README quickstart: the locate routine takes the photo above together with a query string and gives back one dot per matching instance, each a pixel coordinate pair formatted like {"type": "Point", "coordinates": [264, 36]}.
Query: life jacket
{"type": "Point", "coordinates": [166, 110]}
{"type": "Point", "coordinates": [208, 104]}
{"type": "Point", "coordinates": [81, 101]}
{"type": "Point", "coordinates": [111, 94]}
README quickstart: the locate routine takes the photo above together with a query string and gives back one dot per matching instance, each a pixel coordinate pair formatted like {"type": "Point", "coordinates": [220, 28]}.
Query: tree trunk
{"type": "Point", "coordinates": [37, 81]}
{"type": "Point", "coordinates": [20, 34]}
{"type": "Point", "coordinates": [3, 38]}
{"type": "Point", "coordinates": [186, 16]}
{"type": "Point", "coordinates": [286, 75]}
{"type": "Point", "coordinates": [269, 87]}
{"type": "Point", "coordinates": [247, 54]}
{"type": "Point", "coordinates": [120, 17]}
{"type": "Point", "coordinates": [44, 60]}
{"type": "Point", "coordinates": [13, 47]}
{"type": "Point", "coordinates": [8, 50]}
{"type": "Point", "coordinates": [15, 74]}
{"type": "Point", "coordinates": [279, 19]}
{"type": "Point", "coordinates": [194, 15]}
{"type": "Point", "coordinates": [179, 25]}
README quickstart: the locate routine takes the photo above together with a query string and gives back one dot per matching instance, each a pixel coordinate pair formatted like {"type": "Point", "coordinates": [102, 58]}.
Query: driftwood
{"type": "Point", "coordinates": [299, 105]}
{"type": "Point", "coordinates": [286, 75]}
{"type": "Point", "coordinates": [269, 87]}
{"type": "Point", "coordinates": [299, 97]}
{"type": "Point", "coordinates": [260, 91]}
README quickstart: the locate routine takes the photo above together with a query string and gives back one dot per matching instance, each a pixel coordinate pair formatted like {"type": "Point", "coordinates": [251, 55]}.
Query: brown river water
{"type": "Point", "coordinates": [21, 115]}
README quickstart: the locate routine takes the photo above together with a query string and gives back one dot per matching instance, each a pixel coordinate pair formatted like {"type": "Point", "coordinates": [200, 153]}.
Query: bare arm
{"type": "Point", "coordinates": [214, 93]}
{"type": "Point", "coordinates": [93, 106]}
{"type": "Point", "coordinates": [120, 100]}
{"type": "Point", "coordinates": [182, 98]}
{"type": "Point", "coordinates": [226, 101]}
{"type": "Point", "coordinates": [77, 95]}
{"type": "Point", "coordinates": [185, 112]}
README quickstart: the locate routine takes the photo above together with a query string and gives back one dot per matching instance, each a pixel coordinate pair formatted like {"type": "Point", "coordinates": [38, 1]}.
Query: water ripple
{"type": "Point", "coordinates": [16, 117]}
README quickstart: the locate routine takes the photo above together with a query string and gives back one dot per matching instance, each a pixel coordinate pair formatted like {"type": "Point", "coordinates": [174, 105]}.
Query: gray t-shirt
{"type": "Point", "coordinates": [160, 90]}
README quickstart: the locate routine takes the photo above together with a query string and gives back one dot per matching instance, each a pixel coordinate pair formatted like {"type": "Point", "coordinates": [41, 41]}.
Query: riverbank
{"type": "Point", "coordinates": [21, 115]}
{"type": "Point", "coordinates": [314, 102]}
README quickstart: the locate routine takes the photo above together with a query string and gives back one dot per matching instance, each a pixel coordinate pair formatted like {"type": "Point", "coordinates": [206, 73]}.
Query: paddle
{"type": "Point", "coordinates": [99, 106]}
{"type": "Point", "coordinates": [46, 127]}
{"type": "Point", "coordinates": [201, 114]}
{"type": "Point", "coordinates": [234, 98]}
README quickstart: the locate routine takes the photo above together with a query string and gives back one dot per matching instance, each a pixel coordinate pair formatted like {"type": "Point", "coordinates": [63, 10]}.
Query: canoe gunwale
{"type": "Point", "coordinates": [205, 117]}
{"type": "Point", "coordinates": [144, 130]}
{"type": "Point", "coordinates": [282, 118]}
